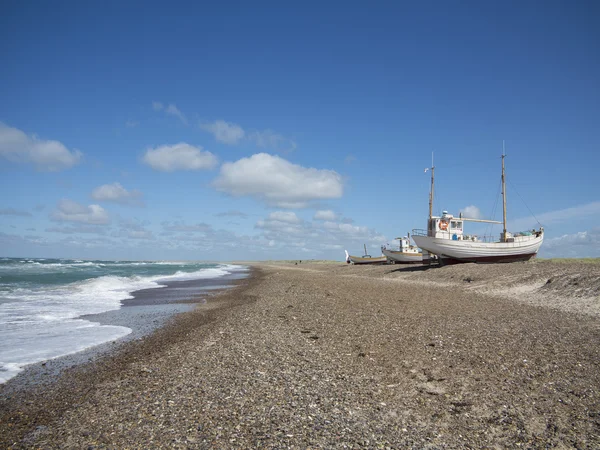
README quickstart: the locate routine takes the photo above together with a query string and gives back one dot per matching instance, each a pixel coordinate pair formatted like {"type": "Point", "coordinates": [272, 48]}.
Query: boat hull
{"type": "Point", "coordinates": [363, 260]}
{"type": "Point", "coordinates": [403, 257]}
{"type": "Point", "coordinates": [456, 252]}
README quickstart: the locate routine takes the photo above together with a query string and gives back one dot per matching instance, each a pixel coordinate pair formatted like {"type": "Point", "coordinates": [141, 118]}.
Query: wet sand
{"type": "Point", "coordinates": [337, 356]}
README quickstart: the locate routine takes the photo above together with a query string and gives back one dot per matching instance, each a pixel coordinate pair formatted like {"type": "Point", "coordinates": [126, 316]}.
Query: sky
{"type": "Point", "coordinates": [292, 130]}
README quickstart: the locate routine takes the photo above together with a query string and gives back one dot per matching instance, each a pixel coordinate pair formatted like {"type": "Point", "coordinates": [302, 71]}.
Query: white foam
{"type": "Point", "coordinates": [40, 323]}
{"type": "Point", "coordinates": [20, 343]}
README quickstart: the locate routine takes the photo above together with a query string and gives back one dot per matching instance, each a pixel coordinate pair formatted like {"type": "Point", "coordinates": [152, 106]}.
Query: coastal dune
{"type": "Point", "coordinates": [338, 356]}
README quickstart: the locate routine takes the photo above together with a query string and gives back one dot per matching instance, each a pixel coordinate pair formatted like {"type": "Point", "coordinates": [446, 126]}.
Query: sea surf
{"type": "Point", "coordinates": [43, 302]}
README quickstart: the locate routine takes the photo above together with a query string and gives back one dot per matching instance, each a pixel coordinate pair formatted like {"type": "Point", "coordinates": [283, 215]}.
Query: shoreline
{"type": "Point", "coordinates": [146, 312]}
{"type": "Point", "coordinates": [327, 355]}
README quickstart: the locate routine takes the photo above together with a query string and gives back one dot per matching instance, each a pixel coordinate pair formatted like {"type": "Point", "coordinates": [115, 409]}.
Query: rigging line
{"type": "Point", "coordinates": [462, 164]}
{"type": "Point", "coordinates": [490, 227]}
{"type": "Point", "coordinates": [526, 205]}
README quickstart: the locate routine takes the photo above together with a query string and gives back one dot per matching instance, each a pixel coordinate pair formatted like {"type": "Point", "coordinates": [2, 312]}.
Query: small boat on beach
{"type": "Point", "coordinates": [365, 259]}
{"type": "Point", "coordinates": [406, 253]}
{"type": "Point", "coordinates": [444, 237]}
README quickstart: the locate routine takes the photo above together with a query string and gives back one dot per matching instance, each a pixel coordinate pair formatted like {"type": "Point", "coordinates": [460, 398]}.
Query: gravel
{"type": "Point", "coordinates": [337, 356]}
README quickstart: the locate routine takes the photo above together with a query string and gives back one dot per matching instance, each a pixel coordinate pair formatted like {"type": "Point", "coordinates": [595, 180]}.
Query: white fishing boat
{"type": "Point", "coordinates": [406, 253]}
{"type": "Point", "coordinates": [445, 238]}
{"type": "Point", "coordinates": [365, 259]}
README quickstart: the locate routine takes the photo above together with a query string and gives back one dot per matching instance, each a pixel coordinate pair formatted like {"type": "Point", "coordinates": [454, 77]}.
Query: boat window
{"type": "Point", "coordinates": [455, 225]}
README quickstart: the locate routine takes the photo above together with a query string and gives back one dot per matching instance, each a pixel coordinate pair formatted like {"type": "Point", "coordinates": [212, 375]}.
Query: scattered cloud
{"type": "Point", "coordinates": [225, 132]}
{"type": "Point", "coordinates": [471, 212]}
{"type": "Point", "coordinates": [70, 211]}
{"type": "Point", "coordinates": [232, 213]}
{"type": "Point", "coordinates": [288, 234]}
{"type": "Point", "coordinates": [233, 134]}
{"type": "Point", "coordinates": [132, 123]}
{"type": "Point", "coordinates": [285, 216]}
{"type": "Point", "coordinates": [83, 228]}
{"type": "Point", "coordinates": [180, 226]}
{"type": "Point", "coordinates": [182, 156]}
{"type": "Point", "coordinates": [133, 229]}
{"type": "Point", "coordinates": [117, 194]}
{"type": "Point", "coordinates": [283, 222]}
{"type": "Point", "coordinates": [325, 215]}
{"type": "Point", "coordinates": [584, 244]}
{"type": "Point", "coordinates": [171, 110]}
{"type": "Point", "coordinates": [174, 111]}
{"type": "Point", "coordinates": [14, 212]}
{"type": "Point", "coordinates": [349, 159]}
{"type": "Point", "coordinates": [45, 155]}
{"type": "Point", "coordinates": [555, 217]}
{"type": "Point", "coordinates": [277, 181]}
{"type": "Point", "coordinates": [271, 140]}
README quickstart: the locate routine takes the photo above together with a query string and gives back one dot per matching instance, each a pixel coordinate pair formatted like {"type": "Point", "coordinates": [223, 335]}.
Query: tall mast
{"type": "Point", "coordinates": [503, 196]}
{"type": "Point", "coordinates": [431, 191]}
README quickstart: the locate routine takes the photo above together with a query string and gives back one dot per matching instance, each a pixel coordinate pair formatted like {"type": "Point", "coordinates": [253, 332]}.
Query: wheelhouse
{"type": "Point", "coordinates": [447, 226]}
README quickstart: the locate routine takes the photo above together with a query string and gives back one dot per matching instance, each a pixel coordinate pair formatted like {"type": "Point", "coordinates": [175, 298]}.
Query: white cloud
{"type": "Point", "coordinates": [48, 156]}
{"type": "Point", "coordinates": [584, 244]}
{"type": "Point", "coordinates": [325, 215]}
{"type": "Point", "coordinates": [225, 132]}
{"type": "Point", "coordinates": [174, 111]}
{"type": "Point", "coordinates": [70, 211]}
{"type": "Point", "coordinates": [117, 194]}
{"type": "Point", "coordinates": [277, 181]}
{"type": "Point", "coordinates": [132, 123]}
{"type": "Point", "coordinates": [317, 237]}
{"type": "Point", "coordinates": [14, 212]}
{"type": "Point", "coordinates": [284, 216]}
{"type": "Point", "coordinates": [270, 139]}
{"type": "Point", "coordinates": [182, 156]}
{"type": "Point", "coordinates": [471, 212]}
{"type": "Point", "coordinates": [157, 106]}
{"type": "Point", "coordinates": [589, 209]}
{"type": "Point", "coordinates": [554, 217]}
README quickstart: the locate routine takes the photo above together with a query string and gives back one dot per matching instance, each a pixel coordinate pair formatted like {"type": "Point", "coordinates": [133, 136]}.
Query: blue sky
{"type": "Point", "coordinates": [271, 130]}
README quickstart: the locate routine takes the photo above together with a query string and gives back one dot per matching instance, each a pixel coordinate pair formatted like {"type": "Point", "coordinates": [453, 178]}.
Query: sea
{"type": "Point", "coordinates": [42, 302]}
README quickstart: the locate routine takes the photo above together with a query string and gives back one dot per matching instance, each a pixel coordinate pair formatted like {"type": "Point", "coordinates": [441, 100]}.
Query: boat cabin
{"type": "Point", "coordinates": [447, 227]}
{"type": "Point", "coordinates": [404, 244]}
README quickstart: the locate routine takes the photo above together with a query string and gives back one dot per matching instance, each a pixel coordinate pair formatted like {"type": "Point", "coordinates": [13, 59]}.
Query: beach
{"type": "Point", "coordinates": [307, 355]}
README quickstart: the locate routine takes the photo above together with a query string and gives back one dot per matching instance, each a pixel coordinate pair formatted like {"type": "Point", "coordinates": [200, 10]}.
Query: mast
{"type": "Point", "coordinates": [431, 191]}
{"type": "Point", "coordinates": [503, 196]}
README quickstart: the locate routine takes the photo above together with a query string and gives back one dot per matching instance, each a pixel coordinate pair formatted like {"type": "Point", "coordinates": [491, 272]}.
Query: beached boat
{"type": "Point", "coordinates": [406, 253]}
{"type": "Point", "coordinates": [444, 237]}
{"type": "Point", "coordinates": [365, 259]}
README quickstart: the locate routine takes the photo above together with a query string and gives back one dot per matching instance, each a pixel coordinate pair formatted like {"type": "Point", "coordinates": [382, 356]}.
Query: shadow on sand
{"type": "Point", "coordinates": [407, 269]}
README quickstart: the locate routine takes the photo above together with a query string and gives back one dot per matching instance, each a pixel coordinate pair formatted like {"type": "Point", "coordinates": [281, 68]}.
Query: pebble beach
{"type": "Point", "coordinates": [329, 355]}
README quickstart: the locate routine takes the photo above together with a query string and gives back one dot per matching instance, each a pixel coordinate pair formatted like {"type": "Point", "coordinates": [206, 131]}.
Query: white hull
{"type": "Point", "coordinates": [472, 251]}
{"type": "Point", "coordinates": [365, 259]}
{"type": "Point", "coordinates": [403, 257]}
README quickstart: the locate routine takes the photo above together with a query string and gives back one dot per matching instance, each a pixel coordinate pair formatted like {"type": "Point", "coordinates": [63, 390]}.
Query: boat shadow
{"type": "Point", "coordinates": [407, 269]}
